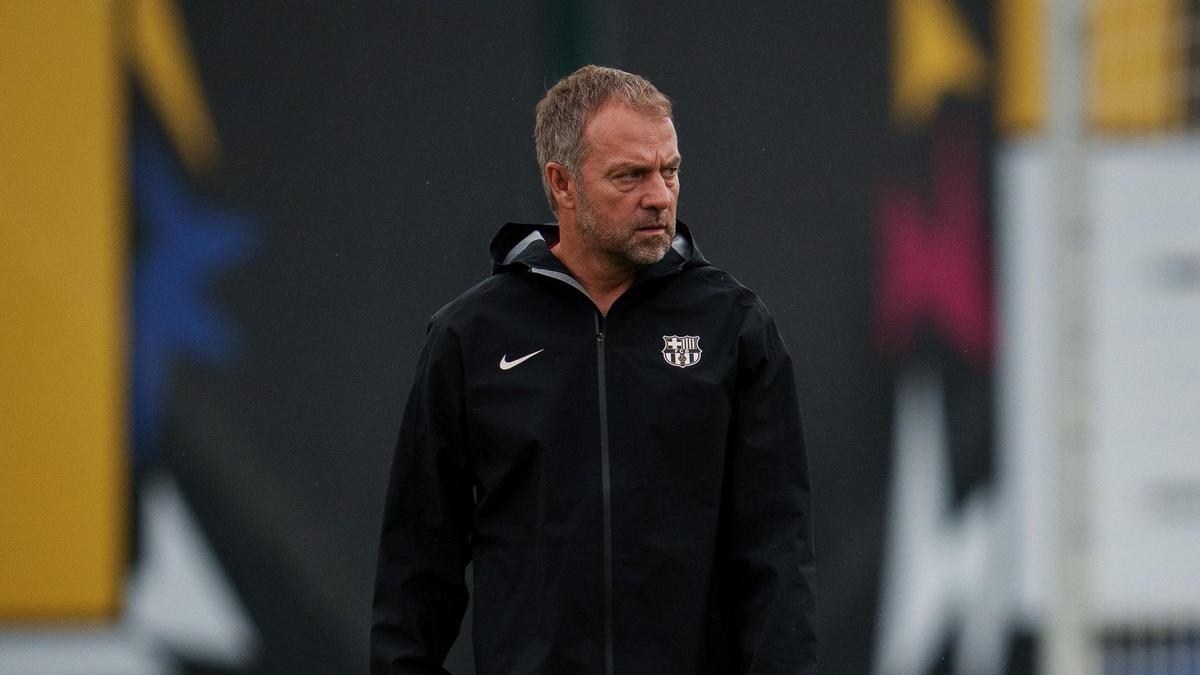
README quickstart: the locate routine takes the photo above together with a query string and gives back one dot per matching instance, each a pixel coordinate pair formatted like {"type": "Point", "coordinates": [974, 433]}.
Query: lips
{"type": "Point", "coordinates": [652, 228]}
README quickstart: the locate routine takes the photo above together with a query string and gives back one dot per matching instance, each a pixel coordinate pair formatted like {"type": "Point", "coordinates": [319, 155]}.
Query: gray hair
{"type": "Point", "coordinates": [567, 107]}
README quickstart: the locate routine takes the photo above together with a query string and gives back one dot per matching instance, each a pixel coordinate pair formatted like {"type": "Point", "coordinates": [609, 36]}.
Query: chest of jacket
{"type": "Point", "coordinates": [546, 379]}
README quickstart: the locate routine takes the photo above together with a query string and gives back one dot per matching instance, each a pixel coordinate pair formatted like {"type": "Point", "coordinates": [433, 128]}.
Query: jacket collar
{"type": "Point", "coordinates": [521, 247]}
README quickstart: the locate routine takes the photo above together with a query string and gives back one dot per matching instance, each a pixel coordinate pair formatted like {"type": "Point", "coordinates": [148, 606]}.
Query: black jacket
{"type": "Point", "coordinates": [633, 500]}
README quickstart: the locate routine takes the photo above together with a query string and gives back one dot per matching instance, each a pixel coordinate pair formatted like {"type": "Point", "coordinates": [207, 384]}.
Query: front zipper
{"type": "Point", "coordinates": [605, 477]}
{"type": "Point", "coordinates": [606, 490]}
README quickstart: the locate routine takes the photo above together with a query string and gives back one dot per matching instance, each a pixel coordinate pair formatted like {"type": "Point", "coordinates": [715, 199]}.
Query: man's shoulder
{"type": "Point", "coordinates": [469, 303]}
{"type": "Point", "coordinates": [716, 280]}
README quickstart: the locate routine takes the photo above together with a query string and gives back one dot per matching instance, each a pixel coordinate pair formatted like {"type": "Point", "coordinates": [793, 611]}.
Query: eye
{"type": "Point", "coordinates": [670, 172]}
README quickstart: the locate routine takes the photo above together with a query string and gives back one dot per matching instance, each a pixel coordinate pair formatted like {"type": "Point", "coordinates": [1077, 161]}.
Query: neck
{"type": "Point", "coordinates": [603, 279]}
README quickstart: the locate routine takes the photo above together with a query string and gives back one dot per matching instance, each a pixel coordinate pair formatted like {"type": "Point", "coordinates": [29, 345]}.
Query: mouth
{"type": "Point", "coordinates": [652, 229]}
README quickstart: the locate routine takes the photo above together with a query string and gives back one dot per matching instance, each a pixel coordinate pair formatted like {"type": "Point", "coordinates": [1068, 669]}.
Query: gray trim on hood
{"type": "Point", "coordinates": [565, 278]}
{"type": "Point", "coordinates": [522, 245]}
{"type": "Point", "coordinates": [682, 246]}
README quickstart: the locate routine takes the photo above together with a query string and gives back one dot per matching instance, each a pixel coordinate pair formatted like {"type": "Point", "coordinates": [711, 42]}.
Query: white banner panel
{"type": "Point", "coordinates": [1144, 213]}
{"type": "Point", "coordinates": [1145, 210]}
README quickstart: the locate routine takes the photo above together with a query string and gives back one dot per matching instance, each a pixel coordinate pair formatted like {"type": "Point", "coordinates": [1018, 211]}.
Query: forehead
{"type": "Point", "coordinates": [619, 132]}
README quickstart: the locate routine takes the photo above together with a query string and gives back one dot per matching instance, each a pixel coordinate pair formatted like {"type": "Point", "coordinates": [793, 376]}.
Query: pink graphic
{"type": "Point", "coordinates": [934, 267]}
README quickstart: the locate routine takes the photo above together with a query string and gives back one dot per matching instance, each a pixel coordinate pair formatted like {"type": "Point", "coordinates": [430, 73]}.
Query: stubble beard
{"type": "Point", "coordinates": [624, 246]}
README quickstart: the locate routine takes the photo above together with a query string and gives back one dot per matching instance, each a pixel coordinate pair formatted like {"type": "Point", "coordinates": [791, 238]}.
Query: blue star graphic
{"type": "Point", "coordinates": [186, 244]}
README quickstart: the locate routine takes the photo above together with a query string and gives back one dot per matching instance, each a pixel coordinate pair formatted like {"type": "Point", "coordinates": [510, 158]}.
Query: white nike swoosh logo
{"type": "Point", "coordinates": [505, 364]}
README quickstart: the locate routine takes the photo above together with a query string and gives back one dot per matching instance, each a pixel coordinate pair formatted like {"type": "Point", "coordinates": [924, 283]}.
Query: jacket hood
{"type": "Point", "coordinates": [522, 246]}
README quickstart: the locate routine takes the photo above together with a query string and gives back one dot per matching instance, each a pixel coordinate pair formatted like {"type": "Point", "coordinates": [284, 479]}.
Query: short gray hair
{"type": "Point", "coordinates": [567, 107]}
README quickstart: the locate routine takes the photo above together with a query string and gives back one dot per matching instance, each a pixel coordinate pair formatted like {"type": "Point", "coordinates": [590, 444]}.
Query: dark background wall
{"type": "Point", "coordinates": [377, 146]}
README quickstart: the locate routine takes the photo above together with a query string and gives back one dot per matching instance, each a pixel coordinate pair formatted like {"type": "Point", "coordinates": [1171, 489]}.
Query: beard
{"type": "Point", "coordinates": [624, 245]}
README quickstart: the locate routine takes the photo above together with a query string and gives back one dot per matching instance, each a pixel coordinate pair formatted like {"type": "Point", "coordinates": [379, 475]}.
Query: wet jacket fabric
{"type": "Point", "coordinates": [632, 490]}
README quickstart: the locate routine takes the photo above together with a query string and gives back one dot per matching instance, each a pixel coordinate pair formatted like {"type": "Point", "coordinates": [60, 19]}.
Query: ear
{"type": "Point", "coordinates": [562, 185]}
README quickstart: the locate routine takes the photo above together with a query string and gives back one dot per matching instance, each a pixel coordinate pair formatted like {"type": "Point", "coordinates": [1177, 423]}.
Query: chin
{"type": "Point", "coordinates": [647, 256]}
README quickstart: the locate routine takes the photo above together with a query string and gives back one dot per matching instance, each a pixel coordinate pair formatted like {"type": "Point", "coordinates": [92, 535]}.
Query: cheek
{"type": "Point", "coordinates": [629, 206]}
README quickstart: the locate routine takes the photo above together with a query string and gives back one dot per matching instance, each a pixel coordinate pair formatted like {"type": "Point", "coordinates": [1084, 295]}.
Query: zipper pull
{"type": "Point", "coordinates": [599, 337]}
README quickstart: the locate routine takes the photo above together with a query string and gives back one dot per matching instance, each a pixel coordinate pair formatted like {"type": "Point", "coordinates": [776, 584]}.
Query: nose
{"type": "Point", "coordinates": [658, 195]}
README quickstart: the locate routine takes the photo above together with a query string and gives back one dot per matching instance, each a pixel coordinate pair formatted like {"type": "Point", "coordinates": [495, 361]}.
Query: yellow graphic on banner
{"type": "Point", "coordinates": [934, 54]}
{"type": "Point", "coordinates": [64, 484]}
{"type": "Point", "coordinates": [1021, 73]}
{"type": "Point", "coordinates": [1137, 76]}
{"type": "Point", "coordinates": [168, 75]}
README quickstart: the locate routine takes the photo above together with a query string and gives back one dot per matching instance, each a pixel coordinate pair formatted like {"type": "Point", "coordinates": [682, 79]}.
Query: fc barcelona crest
{"type": "Point", "coordinates": [681, 350]}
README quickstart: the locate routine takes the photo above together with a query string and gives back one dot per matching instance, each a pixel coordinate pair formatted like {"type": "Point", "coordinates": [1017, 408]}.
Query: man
{"type": "Point", "coordinates": [607, 427]}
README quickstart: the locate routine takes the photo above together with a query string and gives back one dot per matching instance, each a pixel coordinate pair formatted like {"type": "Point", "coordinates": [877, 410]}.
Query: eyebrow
{"type": "Point", "coordinates": [636, 165]}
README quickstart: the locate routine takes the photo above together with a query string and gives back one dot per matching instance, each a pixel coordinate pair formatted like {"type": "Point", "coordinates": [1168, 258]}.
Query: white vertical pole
{"type": "Point", "coordinates": [1069, 647]}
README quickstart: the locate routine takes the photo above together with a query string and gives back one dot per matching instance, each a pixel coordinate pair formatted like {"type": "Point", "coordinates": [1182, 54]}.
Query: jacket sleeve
{"type": "Point", "coordinates": [420, 588]}
{"type": "Point", "coordinates": [768, 542]}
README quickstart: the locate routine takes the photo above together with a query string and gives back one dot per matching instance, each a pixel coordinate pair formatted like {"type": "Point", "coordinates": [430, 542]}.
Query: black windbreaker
{"type": "Point", "coordinates": [633, 500]}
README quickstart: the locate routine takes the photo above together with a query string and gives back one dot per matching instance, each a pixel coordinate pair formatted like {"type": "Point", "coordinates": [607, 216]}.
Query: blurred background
{"type": "Point", "coordinates": [223, 227]}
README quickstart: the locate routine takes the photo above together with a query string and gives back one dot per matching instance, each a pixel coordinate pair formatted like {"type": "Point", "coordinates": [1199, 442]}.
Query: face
{"type": "Point", "coordinates": [630, 186]}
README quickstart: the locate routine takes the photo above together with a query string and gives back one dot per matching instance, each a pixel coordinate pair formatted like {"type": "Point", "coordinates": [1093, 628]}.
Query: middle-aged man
{"type": "Point", "coordinates": [608, 428]}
